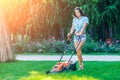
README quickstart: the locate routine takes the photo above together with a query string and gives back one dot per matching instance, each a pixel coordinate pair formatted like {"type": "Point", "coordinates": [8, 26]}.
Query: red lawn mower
{"type": "Point", "coordinates": [65, 65]}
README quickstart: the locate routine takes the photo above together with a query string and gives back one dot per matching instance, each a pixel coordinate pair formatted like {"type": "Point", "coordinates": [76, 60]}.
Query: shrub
{"type": "Point", "coordinates": [48, 46]}
{"type": "Point", "coordinates": [20, 43]}
{"type": "Point", "coordinates": [53, 46]}
{"type": "Point", "coordinates": [89, 47]}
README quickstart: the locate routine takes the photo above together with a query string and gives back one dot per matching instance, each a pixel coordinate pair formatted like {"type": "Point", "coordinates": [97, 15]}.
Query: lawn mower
{"type": "Point", "coordinates": [65, 65]}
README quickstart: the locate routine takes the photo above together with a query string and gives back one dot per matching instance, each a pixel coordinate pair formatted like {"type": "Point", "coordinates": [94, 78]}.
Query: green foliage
{"type": "Point", "coordinates": [59, 47]}
{"type": "Point", "coordinates": [23, 45]}
{"type": "Point", "coordinates": [45, 46]}
{"type": "Point", "coordinates": [53, 46]}
{"type": "Point", "coordinates": [20, 43]}
{"type": "Point", "coordinates": [111, 12]}
{"type": "Point", "coordinates": [37, 18]}
{"type": "Point", "coordinates": [89, 47]}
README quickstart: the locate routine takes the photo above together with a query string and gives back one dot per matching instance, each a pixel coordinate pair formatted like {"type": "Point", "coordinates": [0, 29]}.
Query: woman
{"type": "Point", "coordinates": [79, 24]}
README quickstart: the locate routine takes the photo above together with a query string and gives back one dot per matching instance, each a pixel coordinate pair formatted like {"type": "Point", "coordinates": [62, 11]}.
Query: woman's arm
{"type": "Point", "coordinates": [72, 30]}
{"type": "Point", "coordinates": [82, 30]}
{"type": "Point", "coordinates": [86, 22]}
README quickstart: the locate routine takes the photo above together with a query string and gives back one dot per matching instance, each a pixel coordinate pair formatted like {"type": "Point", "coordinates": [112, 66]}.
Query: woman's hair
{"type": "Point", "coordinates": [81, 12]}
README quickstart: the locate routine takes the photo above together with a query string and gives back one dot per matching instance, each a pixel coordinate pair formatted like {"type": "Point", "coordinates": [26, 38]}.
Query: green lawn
{"type": "Point", "coordinates": [35, 70]}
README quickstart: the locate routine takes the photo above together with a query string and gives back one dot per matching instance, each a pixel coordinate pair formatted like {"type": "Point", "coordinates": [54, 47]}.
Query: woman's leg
{"type": "Point", "coordinates": [79, 52]}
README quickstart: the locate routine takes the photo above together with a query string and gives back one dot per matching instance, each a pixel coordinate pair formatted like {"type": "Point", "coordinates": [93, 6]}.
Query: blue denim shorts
{"type": "Point", "coordinates": [78, 38]}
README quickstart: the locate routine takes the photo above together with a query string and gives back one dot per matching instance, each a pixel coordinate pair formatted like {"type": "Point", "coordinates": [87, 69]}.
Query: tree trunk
{"type": "Point", "coordinates": [115, 33]}
{"type": "Point", "coordinates": [62, 33]}
{"type": "Point", "coordinates": [110, 32]}
{"type": "Point", "coordinates": [106, 31]}
{"type": "Point", "coordinates": [6, 52]}
{"type": "Point", "coordinates": [92, 32]}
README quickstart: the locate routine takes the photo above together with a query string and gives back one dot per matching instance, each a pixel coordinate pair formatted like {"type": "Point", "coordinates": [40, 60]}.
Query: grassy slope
{"type": "Point", "coordinates": [35, 70]}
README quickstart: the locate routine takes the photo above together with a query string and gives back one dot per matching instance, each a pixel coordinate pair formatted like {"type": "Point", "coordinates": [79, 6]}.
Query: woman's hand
{"type": "Point", "coordinates": [69, 34]}
{"type": "Point", "coordinates": [78, 33]}
{"type": "Point", "coordinates": [69, 38]}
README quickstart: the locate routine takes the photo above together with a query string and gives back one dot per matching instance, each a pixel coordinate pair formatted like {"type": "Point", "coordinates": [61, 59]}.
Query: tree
{"type": "Point", "coordinates": [6, 52]}
{"type": "Point", "coordinates": [42, 18]}
{"type": "Point", "coordinates": [110, 11]}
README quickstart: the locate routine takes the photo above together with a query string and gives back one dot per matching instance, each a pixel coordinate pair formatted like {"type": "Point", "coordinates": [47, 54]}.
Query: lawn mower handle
{"type": "Point", "coordinates": [72, 52]}
{"type": "Point", "coordinates": [79, 40]}
{"type": "Point", "coordinates": [63, 53]}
